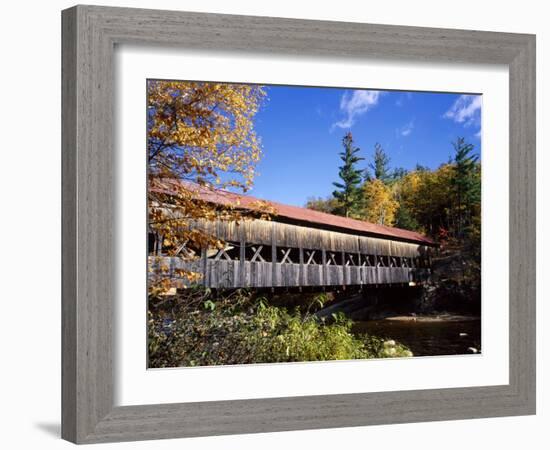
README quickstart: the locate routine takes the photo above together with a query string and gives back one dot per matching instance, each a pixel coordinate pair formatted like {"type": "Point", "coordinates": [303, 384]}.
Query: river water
{"type": "Point", "coordinates": [427, 338]}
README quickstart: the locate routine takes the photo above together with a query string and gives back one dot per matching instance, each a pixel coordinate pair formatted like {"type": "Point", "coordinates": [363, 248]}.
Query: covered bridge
{"type": "Point", "coordinates": [298, 247]}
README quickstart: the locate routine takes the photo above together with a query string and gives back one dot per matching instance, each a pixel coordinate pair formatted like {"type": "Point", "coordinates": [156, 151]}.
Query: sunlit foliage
{"type": "Point", "coordinates": [196, 330]}
{"type": "Point", "coordinates": [328, 205]}
{"type": "Point", "coordinates": [379, 203]}
{"type": "Point", "coordinates": [200, 138]}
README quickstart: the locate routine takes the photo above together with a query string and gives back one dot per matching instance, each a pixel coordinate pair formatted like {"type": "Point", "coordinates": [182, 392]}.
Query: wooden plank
{"type": "Point", "coordinates": [324, 264]}
{"type": "Point", "coordinates": [274, 254]}
{"type": "Point", "coordinates": [302, 275]}
{"type": "Point", "coordinates": [242, 256]}
{"type": "Point", "coordinates": [203, 267]}
{"type": "Point", "coordinates": [343, 269]}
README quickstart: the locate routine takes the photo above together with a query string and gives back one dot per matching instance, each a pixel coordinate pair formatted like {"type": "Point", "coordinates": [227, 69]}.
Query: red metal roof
{"type": "Point", "coordinates": [223, 197]}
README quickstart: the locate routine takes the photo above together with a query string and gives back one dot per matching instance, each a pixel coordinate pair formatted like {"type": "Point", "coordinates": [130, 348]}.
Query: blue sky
{"type": "Point", "coordinates": [301, 130]}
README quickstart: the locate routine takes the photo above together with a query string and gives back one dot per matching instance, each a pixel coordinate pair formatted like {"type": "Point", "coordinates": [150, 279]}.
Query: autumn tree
{"type": "Point", "coordinates": [426, 196]}
{"type": "Point", "coordinates": [348, 192]}
{"type": "Point", "coordinates": [379, 204]}
{"type": "Point", "coordinates": [200, 138]}
{"type": "Point", "coordinates": [329, 205]}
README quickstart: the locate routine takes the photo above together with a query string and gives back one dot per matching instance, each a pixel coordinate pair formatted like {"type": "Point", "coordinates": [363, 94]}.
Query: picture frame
{"type": "Point", "coordinates": [89, 37]}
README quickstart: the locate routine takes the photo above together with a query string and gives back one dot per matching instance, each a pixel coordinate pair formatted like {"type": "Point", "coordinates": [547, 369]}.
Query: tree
{"type": "Point", "coordinates": [466, 186]}
{"type": "Point", "coordinates": [329, 205]}
{"type": "Point", "coordinates": [199, 136]}
{"type": "Point", "coordinates": [379, 205]}
{"type": "Point", "coordinates": [404, 218]}
{"type": "Point", "coordinates": [197, 131]}
{"type": "Point", "coordinates": [398, 173]}
{"type": "Point", "coordinates": [348, 193]}
{"type": "Point", "coordinates": [426, 196]}
{"type": "Point", "coordinates": [421, 168]}
{"type": "Point", "coordinates": [380, 165]}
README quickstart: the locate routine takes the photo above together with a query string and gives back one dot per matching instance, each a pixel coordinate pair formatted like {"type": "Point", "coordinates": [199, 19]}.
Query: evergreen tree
{"type": "Point", "coordinates": [348, 192]}
{"type": "Point", "coordinates": [380, 165]}
{"type": "Point", "coordinates": [397, 174]}
{"type": "Point", "coordinates": [465, 184]}
{"type": "Point", "coordinates": [404, 219]}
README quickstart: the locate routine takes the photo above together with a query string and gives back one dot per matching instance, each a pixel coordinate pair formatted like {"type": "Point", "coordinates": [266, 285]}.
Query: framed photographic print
{"type": "Point", "coordinates": [268, 222]}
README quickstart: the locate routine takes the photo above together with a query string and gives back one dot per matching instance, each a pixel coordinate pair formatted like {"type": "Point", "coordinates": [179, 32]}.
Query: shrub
{"type": "Point", "coordinates": [199, 330]}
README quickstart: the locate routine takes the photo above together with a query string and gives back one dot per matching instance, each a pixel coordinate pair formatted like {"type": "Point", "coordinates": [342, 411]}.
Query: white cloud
{"type": "Point", "coordinates": [354, 104]}
{"type": "Point", "coordinates": [406, 129]}
{"type": "Point", "coordinates": [466, 109]}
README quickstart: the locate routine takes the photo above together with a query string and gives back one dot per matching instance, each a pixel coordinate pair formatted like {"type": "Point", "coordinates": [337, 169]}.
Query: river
{"type": "Point", "coordinates": [428, 336]}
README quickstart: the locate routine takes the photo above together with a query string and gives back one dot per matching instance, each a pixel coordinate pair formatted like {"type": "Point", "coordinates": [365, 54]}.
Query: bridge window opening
{"type": "Point", "coordinates": [368, 260]}
{"type": "Point", "coordinates": [351, 259]}
{"type": "Point", "coordinates": [188, 250]}
{"type": "Point", "coordinates": [334, 259]}
{"type": "Point", "coordinates": [313, 257]}
{"type": "Point", "coordinates": [288, 255]}
{"type": "Point", "coordinates": [395, 261]}
{"type": "Point", "coordinates": [383, 261]}
{"type": "Point", "coordinates": [258, 253]}
{"type": "Point", "coordinates": [230, 252]}
{"type": "Point", "coordinates": [152, 243]}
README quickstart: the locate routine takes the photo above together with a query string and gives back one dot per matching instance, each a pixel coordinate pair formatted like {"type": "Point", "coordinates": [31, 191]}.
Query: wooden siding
{"type": "Point", "coordinates": [227, 274]}
{"type": "Point", "coordinates": [340, 260]}
{"type": "Point", "coordinates": [296, 236]}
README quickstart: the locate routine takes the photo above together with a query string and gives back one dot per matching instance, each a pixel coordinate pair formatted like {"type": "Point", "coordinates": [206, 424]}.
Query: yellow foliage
{"type": "Point", "coordinates": [201, 130]}
{"type": "Point", "coordinates": [202, 133]}
{"type": "Point", "coordinates": [379, 204]}
{"type": "Point", "coordinates": [427, 195]}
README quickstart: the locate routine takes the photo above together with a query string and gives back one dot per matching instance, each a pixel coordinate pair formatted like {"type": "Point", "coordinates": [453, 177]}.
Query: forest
{"type": "Point", "coordinates": [444, 203]}
{"type": "Point", "coordinates": [204, 133]}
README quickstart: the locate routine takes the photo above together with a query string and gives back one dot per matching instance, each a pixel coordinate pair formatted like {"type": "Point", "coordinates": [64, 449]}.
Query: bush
{"type": "Point", "coordinates": [199, 330]}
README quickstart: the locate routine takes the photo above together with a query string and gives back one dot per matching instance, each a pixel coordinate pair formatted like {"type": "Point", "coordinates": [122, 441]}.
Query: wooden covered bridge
{"type": "Point", "coordinates": [299, 247]}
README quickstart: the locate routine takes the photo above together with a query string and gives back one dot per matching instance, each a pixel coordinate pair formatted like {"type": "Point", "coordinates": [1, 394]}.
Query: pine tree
{"type": "Point", "coordinates": [380, 165]}
{"type": "Point", "coordinates": [404, 219]}
{"type": "Point", "coordinates": [348, 192]}
{"type": "Point", "coordinates": [397, 175]}
{"type": "Point", "coordinates": [465, 184]}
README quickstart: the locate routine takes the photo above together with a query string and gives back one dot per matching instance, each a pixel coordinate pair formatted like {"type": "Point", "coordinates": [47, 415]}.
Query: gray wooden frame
{"type": "Point", "coordinates": [89, 36]}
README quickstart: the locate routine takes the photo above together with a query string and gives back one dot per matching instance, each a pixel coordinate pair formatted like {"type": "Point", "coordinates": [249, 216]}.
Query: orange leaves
{"type": "Point", "coordinates": [204, 133]}
{"type": "Point", "coordinates": [204, 128]}
{"type": "Point", "coordinates": [161, 278]}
